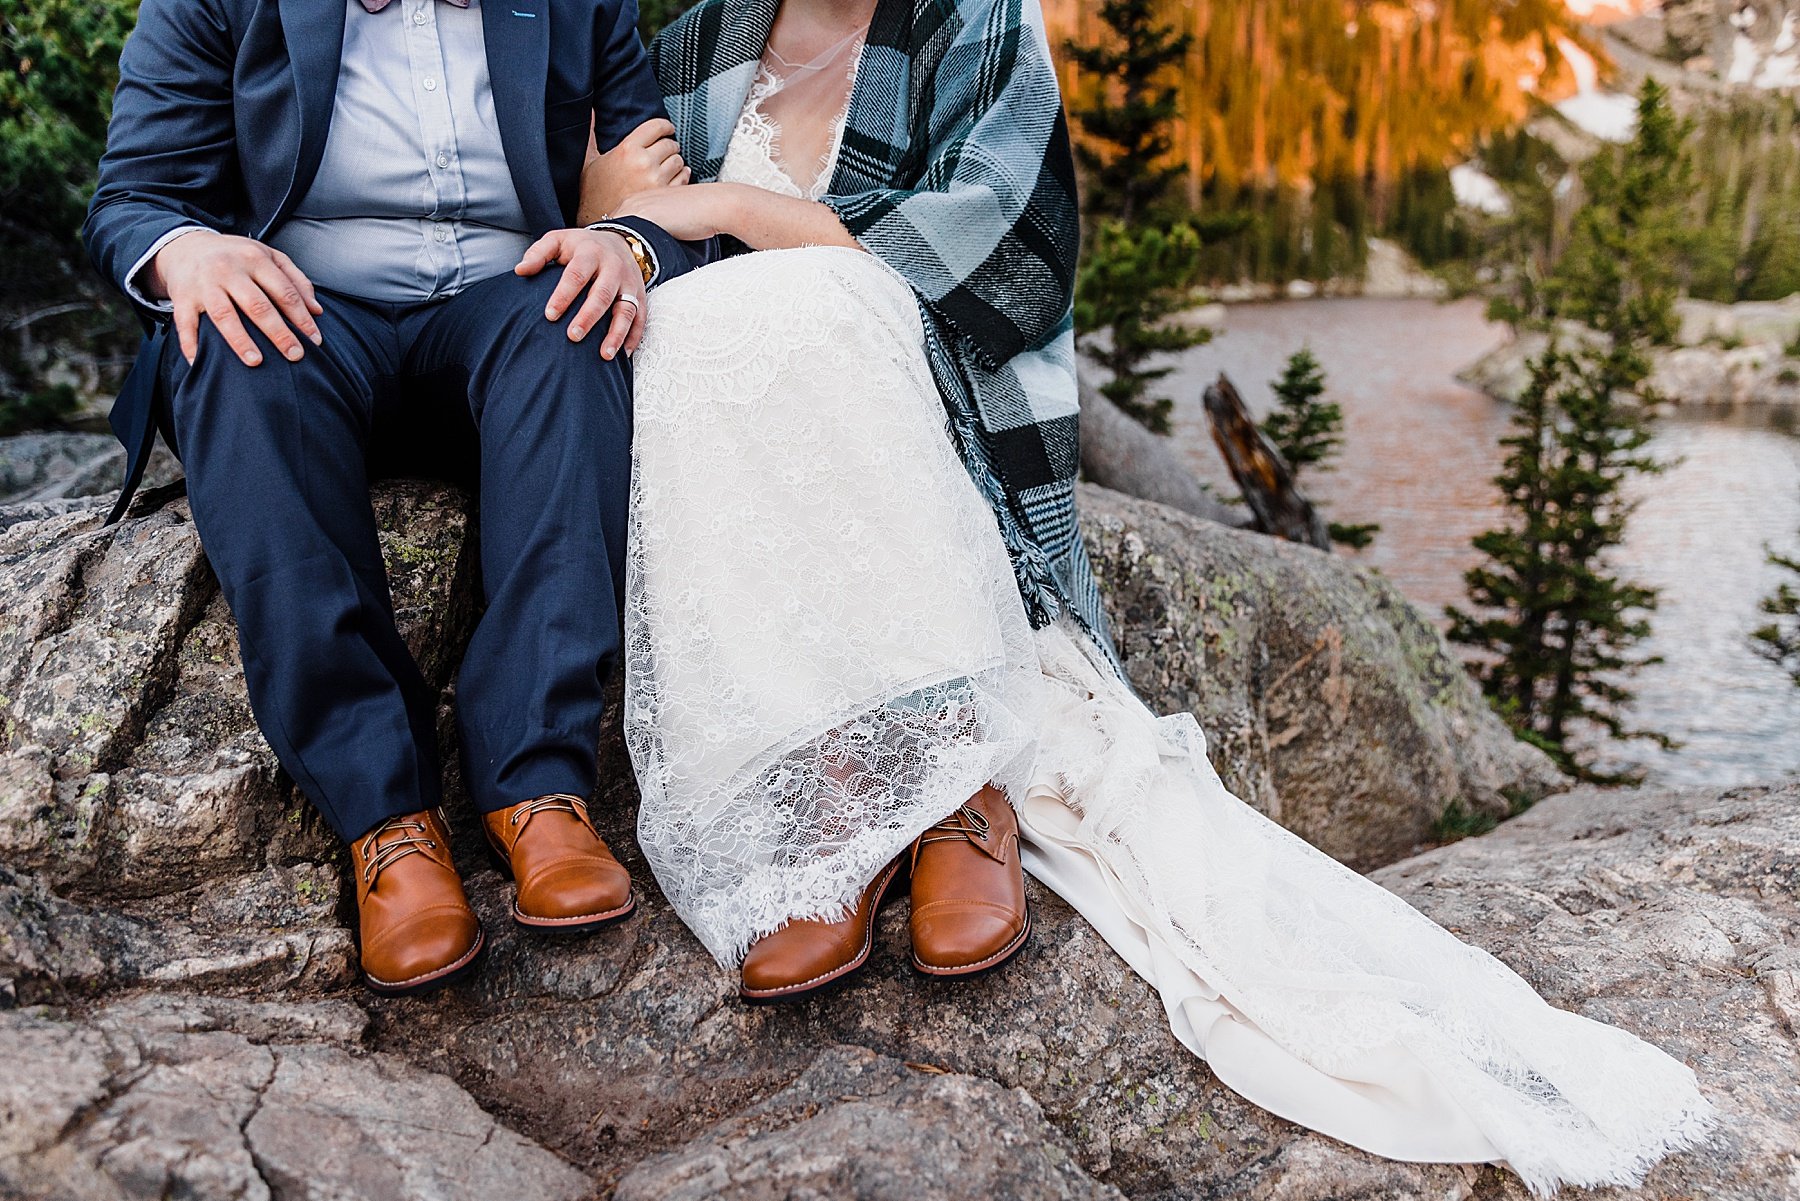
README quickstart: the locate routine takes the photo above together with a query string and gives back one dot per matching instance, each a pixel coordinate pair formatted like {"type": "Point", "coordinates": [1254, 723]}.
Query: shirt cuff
{"type": "Point", "coordinates": [619, 227]}
{"type": "Point", "coordinates": [131, 276]}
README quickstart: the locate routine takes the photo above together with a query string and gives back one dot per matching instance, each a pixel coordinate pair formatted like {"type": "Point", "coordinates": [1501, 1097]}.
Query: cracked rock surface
{"type": "Point", "coordinates": [179, 1015]}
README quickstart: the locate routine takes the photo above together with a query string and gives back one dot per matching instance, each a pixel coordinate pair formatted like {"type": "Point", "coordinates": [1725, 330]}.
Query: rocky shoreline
{"type": "Point", "coordinates": [178, 1014]}
{"type": "Point", "coordinates": [1726, 356]}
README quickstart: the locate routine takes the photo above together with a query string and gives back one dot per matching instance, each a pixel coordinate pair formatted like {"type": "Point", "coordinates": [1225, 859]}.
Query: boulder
{"type": "Point", "coordinates": [57, 464]}
{"type": "Point", "coordinates": [1691, 27]}
{"type": "Point", "coordinates": [129, 761]}
{"type": "Point", "coordinates": [1389, 271]}
{"type": "Point", "coordinates": [1119, 453]}
{"type": "Point", "coordinates": [1744, 323]}
{"type": "Point", "coordinates": [1674, 914]}
{"type": "Point", "coordinates": [164, 1098]}
{"type": "Point", "coordinates": [856, 1124]}
{"type": "Point", "coordinates": [1328, 701]}
{"type": "Point", "coordinates": [178, 1014]}
{"type": "Point", "coordinates": [1715, 370]}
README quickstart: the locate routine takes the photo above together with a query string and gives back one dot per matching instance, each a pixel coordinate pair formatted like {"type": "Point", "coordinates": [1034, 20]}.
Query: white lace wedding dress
{"type": "Point", "coordinates": [826, 653]}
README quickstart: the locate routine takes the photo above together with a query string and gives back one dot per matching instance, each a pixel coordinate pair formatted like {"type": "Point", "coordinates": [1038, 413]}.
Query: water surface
{"type": "Point", "coordinates": [1420, 454]}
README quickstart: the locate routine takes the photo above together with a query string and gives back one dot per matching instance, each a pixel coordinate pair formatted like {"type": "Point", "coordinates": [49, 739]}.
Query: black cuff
{"type": "Point", "coordinates": [670, 256]}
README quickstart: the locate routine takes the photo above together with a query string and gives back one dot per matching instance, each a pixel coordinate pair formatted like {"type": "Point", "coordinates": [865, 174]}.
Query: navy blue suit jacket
{"type": "Point", "coordinates": [223, 108]}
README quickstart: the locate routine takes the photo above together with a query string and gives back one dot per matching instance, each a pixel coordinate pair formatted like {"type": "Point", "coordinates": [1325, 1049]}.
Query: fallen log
{"type": "Point", "coordinates": [1263, 476]}
{"type": "Point", "coordinates": [1120, 454]}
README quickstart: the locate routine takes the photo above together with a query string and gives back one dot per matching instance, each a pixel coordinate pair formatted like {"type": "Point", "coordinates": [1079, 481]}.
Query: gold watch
{"type": "Point", "coordinates": [639, 251]}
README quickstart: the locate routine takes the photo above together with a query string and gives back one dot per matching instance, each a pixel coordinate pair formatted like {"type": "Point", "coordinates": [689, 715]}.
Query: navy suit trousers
{"type": "Point", "coordinates": [277, 459]}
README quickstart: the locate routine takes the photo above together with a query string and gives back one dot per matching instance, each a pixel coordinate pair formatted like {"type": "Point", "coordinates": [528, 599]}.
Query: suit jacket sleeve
{"type": "Point", "coordinates": [625, 96]}
{"type": "Point", "coordinates": [171, 156]}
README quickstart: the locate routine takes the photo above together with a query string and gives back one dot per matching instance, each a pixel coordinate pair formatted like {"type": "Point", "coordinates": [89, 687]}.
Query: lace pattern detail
{"type": "Point", "coordinates": [753, 156]}
{"type": "Point", "coordinates": [825, 647]}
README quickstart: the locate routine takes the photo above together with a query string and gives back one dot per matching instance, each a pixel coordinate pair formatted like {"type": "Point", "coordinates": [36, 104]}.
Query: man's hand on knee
{"type": "Point", "coordinates": [600, 258]}
{"type": "Point", "coordinates": [220, 275]}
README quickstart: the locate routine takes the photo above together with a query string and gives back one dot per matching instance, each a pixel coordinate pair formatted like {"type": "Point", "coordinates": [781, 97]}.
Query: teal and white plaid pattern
{"type": "Point", "coordinates": [956, 170]}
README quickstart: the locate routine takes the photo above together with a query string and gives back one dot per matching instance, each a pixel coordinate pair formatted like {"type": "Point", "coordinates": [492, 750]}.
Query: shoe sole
{"type": "Point", "coordinates": [573, 926]}
{"type": "Point", "coordinates": [432, 981]}
{"type": "Point", "coordinates": [981, 965]}
{"type": "Point", "coordinates": [795, 992]}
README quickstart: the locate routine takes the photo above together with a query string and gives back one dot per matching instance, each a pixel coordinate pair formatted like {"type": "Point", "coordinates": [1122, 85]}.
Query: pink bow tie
{"type": "Point", "coordinates": [376, 6]}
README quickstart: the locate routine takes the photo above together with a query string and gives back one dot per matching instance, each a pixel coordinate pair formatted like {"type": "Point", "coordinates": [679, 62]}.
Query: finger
{"type": "Point", "coordinates": [651, 132]}
{"type": "Point", "coordinates": [263, 312]}
{"type": "Point", "coordinates": [279, 286]}
{"type": "Point", "coordinates": [224, 317]}
{"type": "Point", "coordinates": [576, 274]}
{"type": "Point", "coordinates": [292, 269]}
{"type": "Point", "coordinates": [624, 316]}
{"type": "Point", "coordinates": [686, 176]}
{"type": "Point", "coordinates": [639, 323]}
{"type": "Point", "coordinates": [540, 254]}
{"type": "Point", "coordinates": [661, 150]}
{"type": "Point", "coordinates": [593, 309]}
{"type": "Point", "coordinates": [668, 171]}
{"type": "Point", "coordinates": [187, 329]}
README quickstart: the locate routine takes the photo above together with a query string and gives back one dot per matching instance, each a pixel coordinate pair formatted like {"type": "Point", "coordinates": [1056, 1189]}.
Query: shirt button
{"type": "Point", "coordinates": [443, 235]}
{"type": "Point", "coordinates": [429, 84]}
{"type": "Point", "coordinates": [443, 160]}
{"type": "Point", "coordinates": [418, 16]}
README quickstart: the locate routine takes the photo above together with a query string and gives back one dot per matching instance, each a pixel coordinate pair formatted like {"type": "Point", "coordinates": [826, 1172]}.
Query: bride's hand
{"type": "Point", "coordinates": [648, 158]}
{"type": "Point", "coordinates": [693, 213]}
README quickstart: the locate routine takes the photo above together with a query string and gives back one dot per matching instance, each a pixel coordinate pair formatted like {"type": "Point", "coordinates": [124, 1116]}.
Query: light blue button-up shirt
{"type": "Point", "coordinates": [413, 200]}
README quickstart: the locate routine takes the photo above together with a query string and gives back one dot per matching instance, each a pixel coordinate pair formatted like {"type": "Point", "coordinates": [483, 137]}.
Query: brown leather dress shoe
{"type": "Point", "coordinates": [805, 955]}
{"type": "Point", "coordinates": [417, 930]}
{"type": "Point", "coordinates": [568, 880]}
{"type": "Point", "coordinates": [968, 891]}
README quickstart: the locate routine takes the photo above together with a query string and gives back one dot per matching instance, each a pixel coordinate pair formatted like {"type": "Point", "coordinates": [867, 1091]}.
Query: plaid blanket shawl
{"type": "Point", "coordinates": [956, 170]}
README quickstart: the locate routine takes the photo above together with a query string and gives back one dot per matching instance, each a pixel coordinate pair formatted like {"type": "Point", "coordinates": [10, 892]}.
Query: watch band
{"type": "Point", "coordinates": [634, 242]}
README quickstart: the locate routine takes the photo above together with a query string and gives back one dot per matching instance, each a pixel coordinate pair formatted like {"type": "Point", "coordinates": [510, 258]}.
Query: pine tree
{"type": "Point", "coordinates": [1127, 113]}
{"type": "Point", "coordinates": [1140, 266]}
{"type": "Point", "coordinates": [1619, 271]}
{"type": "Point", "coordinates": [1308, 431]}
{"type": "Point", "coordinates": [1558, 631]}
{"type": "Point", "coordinates": [1130, 282]}
{"type": "Point", "coordinates": [1779, 640]}
{"type": "Point", "coordinates": [1305, 429]}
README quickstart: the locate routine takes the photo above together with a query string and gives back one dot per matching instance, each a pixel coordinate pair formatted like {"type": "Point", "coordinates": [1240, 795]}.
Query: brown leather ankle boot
{"type": "Point", "coordinates": [568, 879]}
{"type": "Point", "coordinates": [417, 930]}
{"type": "Point", "coordinates": [806, 955]}
{"type": "Point", "coordinates": [968, 891]}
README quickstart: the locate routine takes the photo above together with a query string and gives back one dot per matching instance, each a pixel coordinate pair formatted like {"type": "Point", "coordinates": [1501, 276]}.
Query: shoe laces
{"type": "Point", "coordinates": [414, 839]}
{"type": "Point", "coordinates": [965, 824]}
{"type": "Point", "coordinates": [555, 802]}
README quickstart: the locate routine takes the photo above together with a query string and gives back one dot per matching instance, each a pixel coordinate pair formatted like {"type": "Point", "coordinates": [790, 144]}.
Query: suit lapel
{"type": "Point", "coordinates": [314, 32]}
{"type": "Point", "coordinates": [517, 33]}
